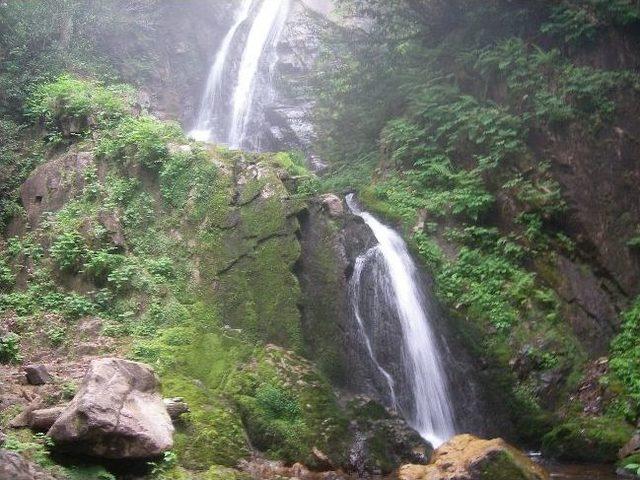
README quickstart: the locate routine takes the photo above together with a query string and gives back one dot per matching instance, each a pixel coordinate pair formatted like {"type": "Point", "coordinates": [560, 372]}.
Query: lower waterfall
{"type": "Point", "coordinates": [397, 285]}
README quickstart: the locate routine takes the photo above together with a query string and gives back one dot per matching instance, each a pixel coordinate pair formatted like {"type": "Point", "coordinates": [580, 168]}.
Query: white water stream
{"type": "Point", "coordinates": [265, 31]}
{"type": "Point", "coordinates": [225, 121]}
{"type": "Point", "coordinates": [212, 98]}
{"type": "Point", "coordinates": [432, 414]}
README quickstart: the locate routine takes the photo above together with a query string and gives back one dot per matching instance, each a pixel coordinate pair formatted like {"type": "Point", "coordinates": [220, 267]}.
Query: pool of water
{"type": "Point", "coordinates": [581, 472]}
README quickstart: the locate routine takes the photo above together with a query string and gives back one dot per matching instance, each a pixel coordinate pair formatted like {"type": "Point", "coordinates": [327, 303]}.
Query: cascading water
{"type": "Point", "coordinates": [225, 121]}
{"type": "Point", "coordinates": [266, 30]}
{"type": "Point", "coordinates": [212, 98]}
{"type": "Point", "coordinates": [431, 412]}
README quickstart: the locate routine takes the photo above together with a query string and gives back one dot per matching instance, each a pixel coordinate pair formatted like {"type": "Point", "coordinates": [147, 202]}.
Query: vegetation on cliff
{"type": "Point", "coordinates": [463, 112]}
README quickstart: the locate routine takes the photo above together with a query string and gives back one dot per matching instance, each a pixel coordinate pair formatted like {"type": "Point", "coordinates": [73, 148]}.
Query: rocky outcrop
{"type": "Point", "coordinates": [53, 184]}
{"type": "Point", "coordinates": [383, 440]}
{"type": "Point", "coordinates": [117, 413]}
{"type": "Point", "coordinates": [330, 245]}
{"type": "Point", "coordinates": [14, 466]}
{"type": "Point", "coordinates": [466, 457]}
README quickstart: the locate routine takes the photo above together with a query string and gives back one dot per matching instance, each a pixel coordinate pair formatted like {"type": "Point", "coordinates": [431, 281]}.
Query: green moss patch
{"type": "Point", "coordinates": [587, 440]}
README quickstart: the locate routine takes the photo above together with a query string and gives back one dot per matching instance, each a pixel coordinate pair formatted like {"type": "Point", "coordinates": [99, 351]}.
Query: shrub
{"type": "Point", "coordinates": [10, 348]}
{"type": "Point", "coordinates": [293, 162]}
{"type": "Point", "coordinates": [101, 263]}
{"type": "Point", "coordinates": [56, 335]}
{"type": "Point", "coordinates": [625, 355]}
{"type": "Point", "coordinates": [7, 278]}
{"type": "Point", "coordinates": [572, 24]}
{"type": "Point", "coordinates": [68, 251]}
{"type": "Point", "coordinates": [141, 140]}
{"type": "Point", "coordinates": [68, 97]}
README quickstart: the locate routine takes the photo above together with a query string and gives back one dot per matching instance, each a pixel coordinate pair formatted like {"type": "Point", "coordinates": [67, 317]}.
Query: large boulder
{"type": "Point", "coordinates": [14, 466]}
{"type": "Point", "coordinates": [466, 457]}
{"type": "Point", "coordinates": [118, 413]}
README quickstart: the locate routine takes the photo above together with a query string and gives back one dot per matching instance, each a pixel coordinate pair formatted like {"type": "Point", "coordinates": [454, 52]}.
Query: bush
{"type": "Point", "coordinates": [7, 278]}
{"type": "Point", "coordinates": [625, 356]}
{"type": "Point", "coordinates": [99, 264]}
{"type": "Point", "coordinates": [68, 251]}
{"type": "Point", "coordinates": [293, 162]}
{"type": "Point", "coordinates": [141, 140]}
{"type": "Point", "coordinates": [10, 348]}
{"type": "Point", "coordinates": [70, 98]}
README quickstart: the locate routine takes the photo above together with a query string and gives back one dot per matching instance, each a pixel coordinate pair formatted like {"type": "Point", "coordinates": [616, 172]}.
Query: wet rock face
{"type": "Point", "coordinates": [288, 122]}
{"type": "Point", "coordinates": [330, 246]}
{"type": "Point", "coordinates": [118, 413]}
{"type": "Point", "coordinates": [466, 457]}
{"type": "Point", "coordinates": [14, 466]}
{"type": "Point", "coordinates": [382, 440]}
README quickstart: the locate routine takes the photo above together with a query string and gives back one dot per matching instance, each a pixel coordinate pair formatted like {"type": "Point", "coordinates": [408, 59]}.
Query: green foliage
{"type": "Point", "coordinates": [633, 468]}
{"type": "Point", "coordinates": [587, 439]}
{"type": "Point", "coordinates": [7, 277]}
{"type": "Point", "coordinates": [10, 348]}
{"type": "Point", "coordinates": [578, 23]}
{"type": "Point", "coordinates": [102, 263]}
{"type": "Point", "coordinates": [625, 357]}
{"type": "Point", "coordinates": [56, 335]}
{"type": "Point", "coordinates": [169, 461]}
{"type": "Point", "coordinates": [634, 243]}
{"type": "Point", "coordinates": [69, 99]}
{"type": "Point", "coordinates": [293, 162]}
{"type": "Point", "coordinates": [572, 24]}
{"type": "Point", "coordinates": [277, 402]}
{"type": "Point", "coordinates": [139, 140]}
{"type": "Point", "coordinates": [68, 251]}
{"type": "Point", "coordinates": [488, 284]}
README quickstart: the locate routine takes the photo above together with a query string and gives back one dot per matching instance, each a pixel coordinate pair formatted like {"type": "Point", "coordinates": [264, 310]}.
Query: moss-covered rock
{"type": "Point", "coordinates": [587, 439]}
{"type": "Point", "coordinates": [288, 409]}
{"type": "Point", "coordinates": [466, 456]}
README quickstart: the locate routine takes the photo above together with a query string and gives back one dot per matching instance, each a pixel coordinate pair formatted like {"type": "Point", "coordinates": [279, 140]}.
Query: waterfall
{"type": "Point", "coordinates": [227, 121]}
{"type": "Point", "coordinates": [354, 293]}
{"type": "Point", "coordinates": [213, 92]}
{"type": "Point", "coordinates": [266, 30]}
{"type": "Point", "coordinates": [431, 413]}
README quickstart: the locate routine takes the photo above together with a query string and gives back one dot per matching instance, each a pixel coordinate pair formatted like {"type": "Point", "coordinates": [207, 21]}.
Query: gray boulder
{"type": "Point", "coordinates": [37, 374]}
{"type": "Point", "coordinates": [118, 413]}
{"type": "Point", "coordinates": [14, 466]}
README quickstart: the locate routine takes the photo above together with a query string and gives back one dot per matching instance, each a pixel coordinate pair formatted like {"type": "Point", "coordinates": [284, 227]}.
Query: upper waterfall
{"type": "Point", "coordinates": [210, 104]}
{"type": "Point", "coordinates": [431, 413]}
{"type": "Point", "coordinates": [228, 122]}
{"type": "Point", "coordinates": [266, 29]}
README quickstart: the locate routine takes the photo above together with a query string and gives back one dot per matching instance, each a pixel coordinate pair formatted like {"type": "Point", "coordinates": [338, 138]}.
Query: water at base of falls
{"type": "Point", "coordinates": [431, 413]}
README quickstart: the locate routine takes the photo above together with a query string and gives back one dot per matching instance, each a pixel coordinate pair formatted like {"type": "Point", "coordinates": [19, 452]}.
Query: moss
{"type": "Point", "coordinates": [505, 467]}
{"type": "Point", "coordinates": [587, 439]}
{"type": "Point", "coordinates": [288, 408]}
{"type": "Point", "coordinates": [323, 283]}
{"type": "Point", "coordinates": [631, 459]}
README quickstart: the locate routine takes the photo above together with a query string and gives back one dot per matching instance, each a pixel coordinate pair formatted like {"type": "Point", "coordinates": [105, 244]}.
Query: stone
{"type": "Point", "coordinates": [333, 205]}
{"type": "Point", "coordinates": [14, 466]}
{"type": "Point", "coordinates": [42, 419]}
{"type": "Point", "coordinates": [466, 457]}
{"type": "Point", "coordinates": [90, 326]}
{"type": "Point", "coordinates": [53, 184]}
{"type": "Point", "coordinates": [118, 413]}
{"type": "Point", "coordinates": [3, 438]}
{"type": "Point", "coordinates": [631, 447]}
{"type": "Point", "coordinates": [37, 374]}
